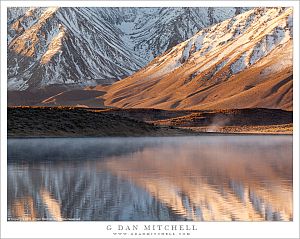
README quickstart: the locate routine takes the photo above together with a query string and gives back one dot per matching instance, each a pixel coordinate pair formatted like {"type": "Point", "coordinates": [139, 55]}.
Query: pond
{"type": "Point", "coordinates": [201, 178]}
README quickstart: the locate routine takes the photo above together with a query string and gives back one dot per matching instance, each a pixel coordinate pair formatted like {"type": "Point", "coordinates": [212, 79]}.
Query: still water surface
{"type": "Point", "coordinates": [204, 178]}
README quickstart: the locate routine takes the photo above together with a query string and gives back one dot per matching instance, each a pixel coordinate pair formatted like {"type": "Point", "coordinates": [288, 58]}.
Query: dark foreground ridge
{"type": "Point", "coordinates": [77, 122]}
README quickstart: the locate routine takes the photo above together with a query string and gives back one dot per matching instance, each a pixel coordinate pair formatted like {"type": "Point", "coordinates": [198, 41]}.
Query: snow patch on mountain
{"type": "Point", "coordinates": [54, 46]}
{"type": "Point", "coordinates": [239, 64]}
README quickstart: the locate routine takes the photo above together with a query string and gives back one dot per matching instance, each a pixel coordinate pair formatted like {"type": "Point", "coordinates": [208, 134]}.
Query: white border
{"type": "Point", "coordinates": [98, 229]}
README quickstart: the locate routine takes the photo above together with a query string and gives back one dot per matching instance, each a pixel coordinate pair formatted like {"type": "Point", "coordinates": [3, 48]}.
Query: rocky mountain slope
{"type": "Point", "coordinates": [69, 46]}
{"type": "Point", "coordinates": [77, 47]}
{"type": "Point", "coordinates": [242, 62]}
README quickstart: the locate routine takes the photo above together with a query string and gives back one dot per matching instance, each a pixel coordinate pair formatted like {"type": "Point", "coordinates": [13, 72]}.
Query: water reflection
{"type": "Point", "coordinates": [209, 178]}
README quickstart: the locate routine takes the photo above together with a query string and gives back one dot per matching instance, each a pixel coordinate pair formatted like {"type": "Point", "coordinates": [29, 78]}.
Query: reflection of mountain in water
{"type": "Point", "coordinates": [188, 178]}
{"type": "Point", "coordinates": [83, 192]}
{"type": "Point", "coordinates": [216, 181]}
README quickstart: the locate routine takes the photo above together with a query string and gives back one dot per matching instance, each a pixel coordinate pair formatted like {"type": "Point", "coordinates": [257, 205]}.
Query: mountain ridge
{"type": "Point", "coordinates": [77, 47]}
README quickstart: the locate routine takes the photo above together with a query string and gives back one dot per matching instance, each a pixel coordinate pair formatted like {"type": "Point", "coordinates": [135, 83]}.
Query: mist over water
{"type": "Point", "coordinates": [203, 178]}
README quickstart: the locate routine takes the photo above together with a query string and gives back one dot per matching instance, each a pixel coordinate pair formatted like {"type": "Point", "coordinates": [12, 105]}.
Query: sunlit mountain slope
{"type": "Point", "coordinates": [245, 61]}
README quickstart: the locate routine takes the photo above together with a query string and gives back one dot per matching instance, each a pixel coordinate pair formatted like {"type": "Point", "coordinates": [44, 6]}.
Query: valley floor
{"type": "Point", "coordinates": [76, 122]}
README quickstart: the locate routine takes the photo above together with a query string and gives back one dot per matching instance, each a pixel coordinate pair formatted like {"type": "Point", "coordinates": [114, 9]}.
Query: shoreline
{"type": "Point", "coordinates": [152, 136]}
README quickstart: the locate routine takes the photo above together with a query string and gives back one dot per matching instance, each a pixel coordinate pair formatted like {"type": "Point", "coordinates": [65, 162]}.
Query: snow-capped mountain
{"type": "Point", "coordinates": [89, 46]}
{"type": "Point", "coordinates": [152, 31]}
{"type": "Point", "coordinates": [245, 61]}
{"type": "Point", "coordinates": [66, 46]}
